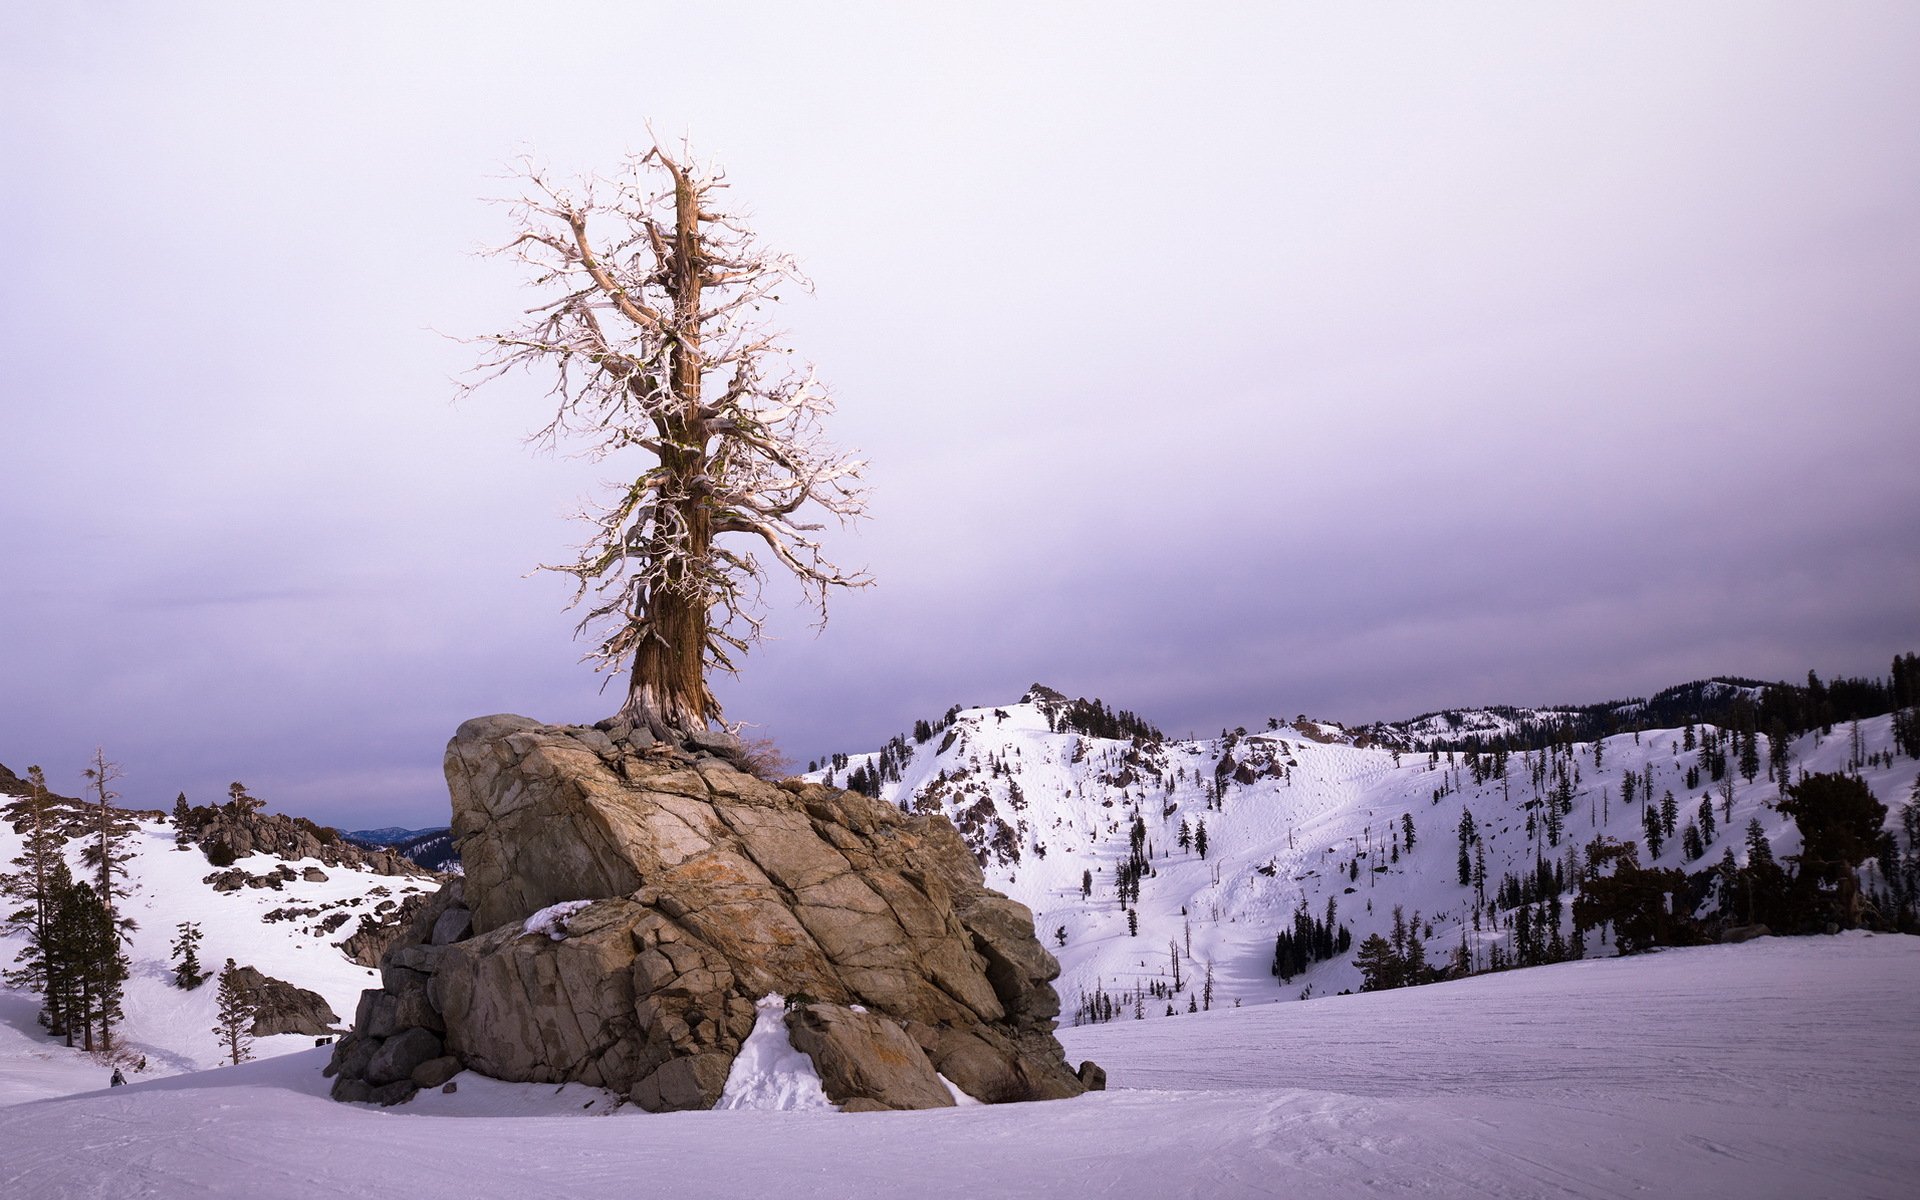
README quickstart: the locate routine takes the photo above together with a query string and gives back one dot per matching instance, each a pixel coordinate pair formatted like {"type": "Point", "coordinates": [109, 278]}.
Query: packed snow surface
{"type": "Point", "coordinates": [1779, 1068]}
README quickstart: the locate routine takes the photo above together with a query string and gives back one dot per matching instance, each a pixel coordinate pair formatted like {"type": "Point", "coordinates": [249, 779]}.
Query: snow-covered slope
{"type": "Point", "coordinates": [173, 1029]}
{"type": "Point", "coordinates": [1296, 812]}
{"type": "Point", "coordinates": [1781, 1068]}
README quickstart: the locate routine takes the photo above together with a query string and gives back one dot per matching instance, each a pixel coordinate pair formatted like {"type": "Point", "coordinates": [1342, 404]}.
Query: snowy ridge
{"type": "Point", "coordinates": [1297, 813]}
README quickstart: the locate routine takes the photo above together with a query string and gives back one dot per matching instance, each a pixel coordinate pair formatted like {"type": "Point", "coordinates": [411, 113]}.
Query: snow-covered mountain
{"type": "Point", "coordinates": [1300, 813]}
{"type": "Point", "coordinates": [286, 918]}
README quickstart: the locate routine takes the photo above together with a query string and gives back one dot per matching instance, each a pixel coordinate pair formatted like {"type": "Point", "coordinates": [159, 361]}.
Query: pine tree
{"type": "Point", "coordinates": [89, 963]}
{"type": "Point", "coordinates": [1086, 883]}
{"type": "Point", "coordinates": [1133, 922]}
{"type": "Point", "coordinates": [107, 829]}
{"type": "Point", "coordinates": [1200, 839]}
{"type": "Point", "coordinates": [1669, 814]}
{"type": "Point", "coordinates": [1706, 819]}
{"type": "Point", "coordinates": [1406, 829]}
{"type": "Point", "coordinates": [234, 1013]}
{"type": "Point", "coordinates": [1379, 965]}
{"type": "Point", "coordinates": [38, 884]}
{"type": "Point", "coordinates": [187, 973]}
{"type": "Point", "coordinates": [1185, 837]}
{"type": "Point", "coordinates": [182, 817]}
{"type": "Point", "coordinates": [1206, 989]}
{"type": "Point", "coordinates": [1841, 825]}
{"type": "Point", "coordinates": [1691, 845]}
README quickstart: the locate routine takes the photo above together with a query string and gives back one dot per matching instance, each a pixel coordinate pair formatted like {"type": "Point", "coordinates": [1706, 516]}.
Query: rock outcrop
{"type": "Point", "coordinates": [281, 1007]}
{"type": "Point", "coordinates": [685, 891]}
{"type": "Point", "coordinates": [230, 832]}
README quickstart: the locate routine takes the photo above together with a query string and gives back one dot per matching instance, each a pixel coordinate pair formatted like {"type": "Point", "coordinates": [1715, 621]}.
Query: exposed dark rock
{"type": "Point", "coordinates": [280, 1007]}
{"type": "Point", "coordinates": [240, 832]}
{"type": "Point", "coordinates": [375, 933]}
{"type": "Point", "coordinates": [400, 1054]}
{"type": "Point", "coordinates": [436, 1071]}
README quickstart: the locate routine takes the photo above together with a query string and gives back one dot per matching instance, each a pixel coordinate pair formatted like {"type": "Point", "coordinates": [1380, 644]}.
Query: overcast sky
{"type": "Point", "coordinates": [1246, 361]}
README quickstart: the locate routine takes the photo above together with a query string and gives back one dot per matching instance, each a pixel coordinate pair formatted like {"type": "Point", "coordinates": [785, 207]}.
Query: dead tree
{"type": "Point", "coordinates": [651, 326]}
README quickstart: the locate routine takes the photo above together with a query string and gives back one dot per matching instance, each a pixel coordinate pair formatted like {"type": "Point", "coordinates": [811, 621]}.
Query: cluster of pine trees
{"type": "Point", "coordinates": [1311, 940]}
{"type": "Point", "coordinates": [868, 778]}
{"type": "Point", "coordinates": [1094, 719]}
{"type": "Point", "coordinates": [1397, 961]}
{"type": "Point", "coordinates": [1841, 829]}
{"type": "Point", "coordinates": [75, 954]}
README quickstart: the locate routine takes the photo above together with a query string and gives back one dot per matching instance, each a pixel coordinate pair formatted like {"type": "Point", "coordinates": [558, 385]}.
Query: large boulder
{"type": "Point", "coordinates": [687, 890]}
{"type": "Point", "coordinates": [280, 1007]}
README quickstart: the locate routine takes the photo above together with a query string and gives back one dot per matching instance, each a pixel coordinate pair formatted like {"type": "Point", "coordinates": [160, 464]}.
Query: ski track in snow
{"type": "Point", "coordinates": [1781, 1068]}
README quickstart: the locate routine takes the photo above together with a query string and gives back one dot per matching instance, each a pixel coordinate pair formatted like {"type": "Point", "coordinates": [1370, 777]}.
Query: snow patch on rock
{"type": "Point", "coordinates": [552, 920]}
{"type": "Point", "coordinates": [769, 1074]}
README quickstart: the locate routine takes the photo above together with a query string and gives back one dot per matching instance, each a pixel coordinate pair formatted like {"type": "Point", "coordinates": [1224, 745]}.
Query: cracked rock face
{"type": "Point", "coordinates": [710, 889]}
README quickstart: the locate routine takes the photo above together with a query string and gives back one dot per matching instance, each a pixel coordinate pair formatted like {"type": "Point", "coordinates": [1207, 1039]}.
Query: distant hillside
{"type": "Point", "coordinates": [1726, 702]}
{"type": "Point", "coordinates": [386, 835]}
{"type": "Point", "coordinates": [429, 848]}
{"type": "Point", "coordinates": [1317, 836]}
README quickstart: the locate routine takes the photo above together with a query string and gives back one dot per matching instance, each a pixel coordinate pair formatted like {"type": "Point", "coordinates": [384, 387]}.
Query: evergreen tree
{"type": "Point", "coordinates": [182, 818]}
{"type": "Point", "coordinates": [1133, 922]}
{"type": "Point", "coordinates": [1200, 839]}
{"type": "Point", "coordinates": [1749, 754]}
{"type": "Point", "coordinates": [1406, 829]}
{"type": "Point", "coordinates": [234, 1013]}
{"type": "Point", "coordinates": [1690, 842]}
{"type": "Point", "coordinates": [89, 964]}
{"type": "Point", "coordinates": [1706, 819]}
{"type": "Point", "coordinates": [38, 883]}
{"type": "Point", "coordinates": [1669, 814]}
{"type": "Point", "coordinates": [1086, 883]}
{"type": "Point", "coordinates": [107, 830]}
{"type": "Point", "coordinates": [187, 973]}
{"type": "Point", "coordinates": [1379, 965]}
{"type": "Point", "coordinates": [1185, 836]}
{"type": "Point", "coordinates": [1840, 823]}
{"type": "Point", "coordinates": [1650, 821]}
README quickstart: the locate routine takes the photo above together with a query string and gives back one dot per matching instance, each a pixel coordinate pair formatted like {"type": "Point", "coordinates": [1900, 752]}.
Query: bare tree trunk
{"type": "Point", "coordinates": [667, 691]}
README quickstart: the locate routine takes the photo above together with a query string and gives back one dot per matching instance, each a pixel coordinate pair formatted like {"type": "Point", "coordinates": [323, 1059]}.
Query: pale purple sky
{"type": "Point", "coordinates": [1268, 359]}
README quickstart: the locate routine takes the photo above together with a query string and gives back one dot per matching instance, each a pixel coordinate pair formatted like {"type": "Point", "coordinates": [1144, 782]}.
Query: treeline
{"type": "Point", "coordinates": [1841, 826]}
{"type": "Point", "coordinates": [1094, 719]}
{"type": "Point", "coordinates": [1821, 889]}
{"type": "Point", "coordinates": [1730, 702]}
